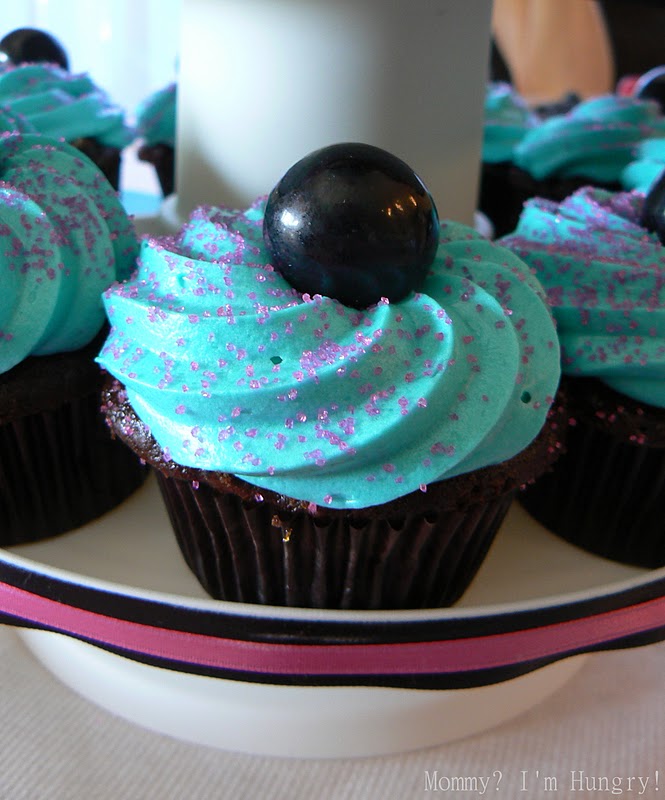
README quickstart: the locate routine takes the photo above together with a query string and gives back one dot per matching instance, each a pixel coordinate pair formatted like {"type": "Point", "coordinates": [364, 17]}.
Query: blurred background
{"type": "Point", "coordinates": [129, 47]}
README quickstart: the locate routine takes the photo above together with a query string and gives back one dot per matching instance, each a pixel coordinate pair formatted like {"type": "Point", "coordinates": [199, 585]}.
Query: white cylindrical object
{"type": "Point", "coordinates": [264, 82]}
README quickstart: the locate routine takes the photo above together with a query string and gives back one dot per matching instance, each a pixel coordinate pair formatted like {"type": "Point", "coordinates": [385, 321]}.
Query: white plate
{"type": "Point", "coordinates": [140, 638]}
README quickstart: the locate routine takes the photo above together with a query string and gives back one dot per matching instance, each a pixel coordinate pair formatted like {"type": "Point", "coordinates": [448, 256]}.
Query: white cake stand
{"type": "Point", "coordinates": [113, 611]}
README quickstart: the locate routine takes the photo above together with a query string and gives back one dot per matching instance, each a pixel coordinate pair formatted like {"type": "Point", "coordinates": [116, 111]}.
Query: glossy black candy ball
{"type": "Point", "coordinates": [651, 86]}
{"type": "Point", "coordinates": [353, 222]}
{"type": "Point", "coordinates": [564, 105]}
{"type": "Point", "coordinates": [653, 211]}
{"type": "Point", "coordinates": [25, 45]}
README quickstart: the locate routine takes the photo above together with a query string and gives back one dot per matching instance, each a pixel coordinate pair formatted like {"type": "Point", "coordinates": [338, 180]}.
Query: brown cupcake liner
{"type": "Point", "coordinates": [504, 188]}
{"type": "Point", "coordinates": [107, 158]}
{"type": "Point", "coordinates": [61, 468]}
{"type": "Point", "coordinates": [607, 493]}
{"type": "Point", "coordinates": [254, 552]}
{"type": "Point", "coordinates": [498, 199]}
{"type": "Point", "coordinates": [524, 185]}
{"type": "Point", "coordinates": [162, 158]}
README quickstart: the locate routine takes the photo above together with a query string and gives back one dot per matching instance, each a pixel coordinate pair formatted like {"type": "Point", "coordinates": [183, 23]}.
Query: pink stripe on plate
{"type": "Point", "coordinates": [431, 657]}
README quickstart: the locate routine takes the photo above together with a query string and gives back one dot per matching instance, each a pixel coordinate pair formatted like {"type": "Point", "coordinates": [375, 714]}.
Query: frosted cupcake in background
{"type": "Point", "coordinates": [340, 395]}
{"type": "Point", "coordinates": [64, 238]}
{"type": "Point", "coordinates": [647, 157]}
{"type": "Point", "coordinates": [589, 146]}
{"type": "Point", "coordinates": [156, 129]}
{"type": "Point", "coordinates": [63, 105]}
{"type": "Point", "coordinates": [507, 118]}
{"type": "Point", "coordinates": [603, 269]}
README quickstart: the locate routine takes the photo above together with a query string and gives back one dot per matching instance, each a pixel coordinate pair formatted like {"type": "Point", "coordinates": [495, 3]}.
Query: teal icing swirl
{"type": "Point", "coordinates": [11, 122]}
{"type": "Point", "coordinates": [605, 278]}
{"type": "Point", "coordinates": [507, 119]}
{"type": "Point", "coordinates": [63, 105]}
{"type": "Point", "coordinates": [64, 238]}
{"type": "Point", "coordinates": [156, 117]}
{"type": "Point", "coordinates": [233, 370]}
{"type": "Point", "coordinates": [595, 140]}
{"type": "Point", "coordinates": [648, 164]}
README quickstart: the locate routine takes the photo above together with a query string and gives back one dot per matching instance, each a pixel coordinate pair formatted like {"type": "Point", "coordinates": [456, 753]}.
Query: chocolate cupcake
{"type": "Point", "coordinates": [507, 118]}
{"type": "Point", "coordinates": [588, 146]}
{"type": "Point", "coordinates": [604, 274]}
{"type": "Point", "coordinates": [68, 106]}
{"type": "Point", "coordinates": [312, 451]}
{"type": "Point", "coordinates": [156, 127]}
{"type": "Point", "coordinates": [65, 239]}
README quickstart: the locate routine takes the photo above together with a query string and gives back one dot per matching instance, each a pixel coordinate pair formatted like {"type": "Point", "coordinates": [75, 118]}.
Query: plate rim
{"type": "Point", "coordinates": [442, 648]}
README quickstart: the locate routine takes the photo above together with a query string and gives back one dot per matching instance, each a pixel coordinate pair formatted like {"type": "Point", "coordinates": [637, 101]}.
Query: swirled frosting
{"type": "Point", "coordinates": [63, 105]}
{"type": "Point", "coordinates": [507, 119]}
{"type": "Point", "coordinates": [233, 370]}
{"type": "Point", "coordinates": [595, 140]}
{"type": "Point", "coordinates": [64, 238]}
{"type": "Point", "coordinates": [156, 117]}
{"type": "Point", "coordinates": [605, 278]}
{"type": "Point", "coordinates": [647, 165]}
{"type": "Point", "coordinates": [14, 123]}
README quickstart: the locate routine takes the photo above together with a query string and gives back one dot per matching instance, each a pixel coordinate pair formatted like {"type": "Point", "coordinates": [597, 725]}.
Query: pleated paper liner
{"type": "Point", "coordinates": [107, 158]}
{"type": "Point", "coordinates": [162, 158]}
{"type": "Point", "coordinates": [607, 493]}
{"type": "Point", "coordinates": [61, 468]}
{"type": "Point", "coordinates": [258, 553]}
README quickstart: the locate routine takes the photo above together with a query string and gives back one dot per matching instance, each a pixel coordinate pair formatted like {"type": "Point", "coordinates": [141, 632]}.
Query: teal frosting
{"type": "Point", "coordinates": [233, 370]}
{"type": "Point", "coordinates": [63, 105]}
{"type": "Point", "coordinates": [156, 117]}
{"type": "Point", "coordinates": [596, 139]}
{"type": "Point", "coordinates": [14, 123]}
{"type": "Point", "coordinates": [507, 119]}
{"type": "Point", "coordinates": [604, 276]}
{"type": "Point", "coordinates": [648, 164]}
{"type": "Point", "coordinates": [64, 238]}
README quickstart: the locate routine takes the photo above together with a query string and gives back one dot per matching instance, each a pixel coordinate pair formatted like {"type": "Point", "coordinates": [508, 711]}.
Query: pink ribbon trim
{"type": "Point", "coordinates": [430, 657]}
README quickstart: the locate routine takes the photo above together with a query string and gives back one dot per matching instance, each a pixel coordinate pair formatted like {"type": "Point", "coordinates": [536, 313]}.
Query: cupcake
{"type": "Point", "coordinates": [604, 275]}
{"type": "Point", "coordinates": [156, 126]}
{"type": "Point", "coordinates": [589, 146]}
{"type": "Point", "coordinates": [62, 105]}
{"type": "Point", "coordinates": [340, 395]}
{"type": "Point", "coordinates": [65, 238]}
{"type": "Point", "coordinates": [507, 118]}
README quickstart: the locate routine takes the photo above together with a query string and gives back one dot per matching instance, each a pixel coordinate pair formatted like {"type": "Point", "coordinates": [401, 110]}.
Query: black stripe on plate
{"type": "Point", "coordinates": [224, 624]}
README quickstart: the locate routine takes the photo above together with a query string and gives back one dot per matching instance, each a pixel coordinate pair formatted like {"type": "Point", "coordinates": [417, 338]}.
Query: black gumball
{"type": "Point", "coordinates": [353, 222]}
{"type": "Point", "coordinates": [563, 105]}
{"type": "Point", "coordinates": [25, 45]}
{"type": "Point", "coordinates": [651, 86]}
{"type": "Point", "coordinates": [653, 211]}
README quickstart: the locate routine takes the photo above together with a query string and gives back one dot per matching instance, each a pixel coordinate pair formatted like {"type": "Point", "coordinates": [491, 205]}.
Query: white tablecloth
{"type": "Point", "coordinates": [606, 725]}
